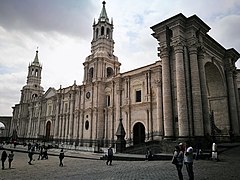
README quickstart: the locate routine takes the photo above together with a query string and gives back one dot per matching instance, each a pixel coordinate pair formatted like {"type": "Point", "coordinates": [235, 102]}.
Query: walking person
{"type": "Point", "coordinates": [40, 153]}
{"type": "Point", "coordinates": [178, 160]}
{"type": "Point", "coordinates": [30, 155]}
{"type": "Point", "coordinates": [61, 156]}
{"type": "Point", "coordinates": [188, 160]}
{"type": "Point", "coordinates": [109, 156]}
{"type": "Point", "coordinates": [10, 159]}
{"type": "Point", "coordinates": [3, 158]}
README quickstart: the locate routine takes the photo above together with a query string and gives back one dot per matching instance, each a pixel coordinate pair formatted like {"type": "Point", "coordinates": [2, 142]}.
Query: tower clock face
{"type": "Point", "coordinates": [88, 95]}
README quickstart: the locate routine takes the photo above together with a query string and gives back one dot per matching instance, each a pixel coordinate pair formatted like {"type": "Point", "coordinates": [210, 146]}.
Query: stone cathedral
{"type": "Point", "coordinates": [190, 92]}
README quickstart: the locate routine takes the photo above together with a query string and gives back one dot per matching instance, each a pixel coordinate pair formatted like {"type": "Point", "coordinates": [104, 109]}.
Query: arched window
{"type": "Point", "coordinates": [108, 33]}
{"type": "Point", "coordinates": [97, 33]}
{"type": "Point", "coordinates": [34, 96]}
{"type": "Point", "coordinates": [87, 125]}
{"type": "Point", "coordinates": [102, 31]}
{"type": "Point", "coordinates": [109, 72]}
{"type": "Point", "coordinates": [90, 75]}
{"type": "Point", "coordinates": [36, 72]}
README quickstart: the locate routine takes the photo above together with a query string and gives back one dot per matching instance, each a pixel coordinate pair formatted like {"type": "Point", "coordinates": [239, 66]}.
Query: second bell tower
{"type": "Point", "coordinates": [102, 64]}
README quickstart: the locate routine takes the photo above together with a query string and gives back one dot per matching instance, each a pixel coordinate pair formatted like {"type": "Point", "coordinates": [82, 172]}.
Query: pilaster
{"type": "Point", "coordinates": [232, 99]}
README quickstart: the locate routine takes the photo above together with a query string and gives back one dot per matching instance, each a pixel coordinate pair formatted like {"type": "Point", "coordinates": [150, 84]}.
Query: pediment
{"type": "Point", "coordinates": [50, 93]}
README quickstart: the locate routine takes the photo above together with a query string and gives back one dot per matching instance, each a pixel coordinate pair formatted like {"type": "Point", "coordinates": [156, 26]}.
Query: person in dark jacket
{"type": "Point", "coordinates": [109, 156]}
{"type": "Point", "coordinates": [61, 156]}
{"type": "Point", "coordinates": [178, 160]}
{"type": "Point", "coordinates": [30, 155]}
{"type": "Point", "coordinates": [10, 159]}
{"type": "Point", "coordinates": [3, 158]}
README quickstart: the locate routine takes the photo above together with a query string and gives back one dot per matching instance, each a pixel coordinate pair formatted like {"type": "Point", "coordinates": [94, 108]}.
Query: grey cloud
{"type": "Point", "coordinates": [68, 17]}
{"type": "Point", "coordinates": [226, 31]}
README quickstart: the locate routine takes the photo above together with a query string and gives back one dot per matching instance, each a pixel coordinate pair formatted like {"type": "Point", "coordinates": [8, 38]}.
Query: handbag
{"type": "Point", "coordinates": [174, 160]}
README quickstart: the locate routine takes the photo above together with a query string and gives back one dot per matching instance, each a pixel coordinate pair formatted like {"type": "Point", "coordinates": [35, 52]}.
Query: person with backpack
{"type": "Point", "coordinates": [177, 160]}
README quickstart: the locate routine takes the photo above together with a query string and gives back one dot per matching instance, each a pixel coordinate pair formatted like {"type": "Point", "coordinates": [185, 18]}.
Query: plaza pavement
{"type": "Point", "coordinates": [86, 165]}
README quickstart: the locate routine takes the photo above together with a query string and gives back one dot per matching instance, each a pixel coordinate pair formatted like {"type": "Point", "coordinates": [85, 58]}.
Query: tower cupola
{"type": "Point", "coordinates": [103, 34]}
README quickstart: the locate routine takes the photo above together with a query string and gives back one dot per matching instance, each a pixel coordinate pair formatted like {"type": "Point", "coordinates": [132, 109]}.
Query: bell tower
{"type": "Point", "coordinates": [33, 88]}
{"type": "Point", "coordinates": [102, 64]}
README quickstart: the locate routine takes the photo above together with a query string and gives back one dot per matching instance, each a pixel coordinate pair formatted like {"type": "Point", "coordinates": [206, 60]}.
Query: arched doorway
{"type": "Point", "coordinates": [48, 128]}
{"type": "Point", "coordinates": [138, 133]}
{"type": "Point", "coordinates": [2, 128]}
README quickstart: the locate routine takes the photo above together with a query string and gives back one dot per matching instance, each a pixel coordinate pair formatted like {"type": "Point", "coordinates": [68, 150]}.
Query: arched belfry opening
{"type": "Point", "coordinates": [217, 96]}
{"type": "Point", "coordinates": [138, 133]}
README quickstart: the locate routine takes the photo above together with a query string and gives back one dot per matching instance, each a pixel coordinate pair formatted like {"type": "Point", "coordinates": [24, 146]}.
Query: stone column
{"type": "Point", "coordinates": [232, 101]}
{"type": "Point", "coordinates": [115, 96]}
{"type": "Point", "coordinates": [30, 121]}
{"type": "Point", "coordinates": [159, 122]}
{"type": "Point", "coordinates": [205, 110]}
{"type": "Point", "coordinates": [196, 93]}
{"type": "Point", "coordinates": [82, 123]}
{"type": "Point", "coordinates": [236, 94]}
{"type": "Point", "coordinates": [106, 124]}
{"type": "Point", "coordinates": [75, 124]}
{"type": "Point", "coordinates": [71, 118]}
{"type": "Point", "coordinates": [66, 125]}
{"type": "Point", "coordinates": [56, 124]}
{"type": "Point", "coordinates": [167, 95]}
{"type": "Point", "coordinates": [38, 122]}
{"type": "Point", "coordinates": [182, 109]}
{"type": "Point", "coordinates": [148, 125]}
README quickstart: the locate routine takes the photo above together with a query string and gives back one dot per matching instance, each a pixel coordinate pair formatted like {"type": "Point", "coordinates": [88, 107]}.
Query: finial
{"type": "Point", "coordinates": [104, 2]}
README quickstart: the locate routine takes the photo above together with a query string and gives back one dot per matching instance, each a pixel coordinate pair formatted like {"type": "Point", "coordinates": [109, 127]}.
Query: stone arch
{"type": "Point", "coordinates": [138, 133]}
{"type": "Point", "coordinates": [217, 96]}
{"type": "Point", "coordinates": [2, 126]}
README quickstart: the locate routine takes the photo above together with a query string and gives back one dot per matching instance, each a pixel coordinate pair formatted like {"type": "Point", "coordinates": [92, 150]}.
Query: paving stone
{"type": "Point", "coordinates": [77, 168]}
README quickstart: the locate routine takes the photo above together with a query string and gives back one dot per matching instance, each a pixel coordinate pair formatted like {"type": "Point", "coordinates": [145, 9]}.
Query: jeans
{"type": "Point", "coordinates": [189, 167]}
{"type": "Point", "coordinates": [179, 170]}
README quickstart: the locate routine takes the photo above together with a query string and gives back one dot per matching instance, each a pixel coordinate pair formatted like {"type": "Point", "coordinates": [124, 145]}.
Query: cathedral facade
{"type": "Point", "coordinates": [189, 92]}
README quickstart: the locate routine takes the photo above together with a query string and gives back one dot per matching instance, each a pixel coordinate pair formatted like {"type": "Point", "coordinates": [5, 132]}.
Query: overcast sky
{"type": "Point", "coordinates": [62, 29]}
